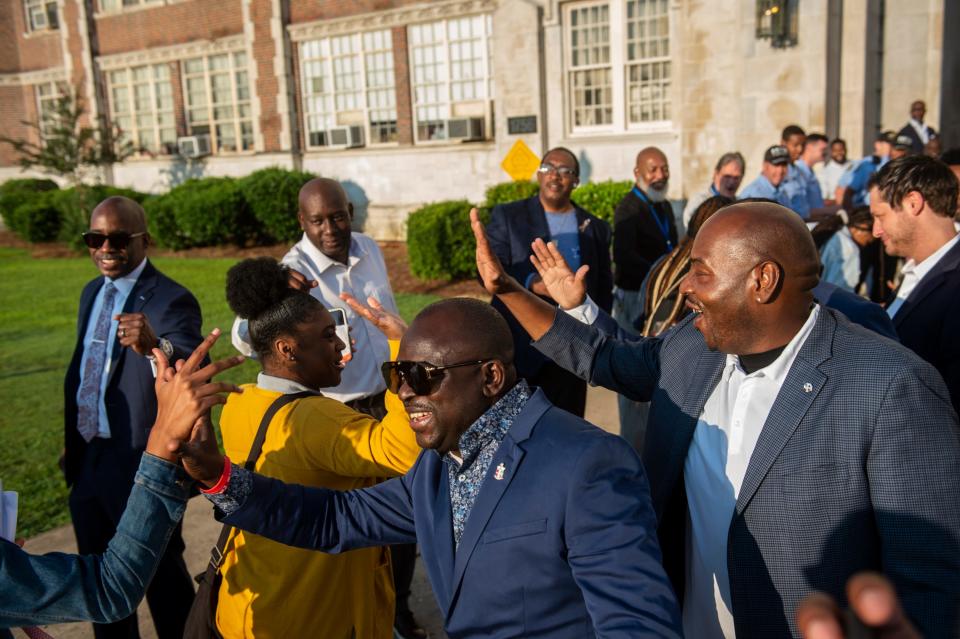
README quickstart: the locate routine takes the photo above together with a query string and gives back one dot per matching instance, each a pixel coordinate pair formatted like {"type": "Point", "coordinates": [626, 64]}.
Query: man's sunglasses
{"type": "Point", "coordinates": [119, 241]}
{"type": "Point", "coordinates": [419, 376]}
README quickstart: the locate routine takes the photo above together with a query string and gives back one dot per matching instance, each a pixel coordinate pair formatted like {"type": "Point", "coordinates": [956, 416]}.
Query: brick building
{"type": "Point", "coordinates": [410, 102]}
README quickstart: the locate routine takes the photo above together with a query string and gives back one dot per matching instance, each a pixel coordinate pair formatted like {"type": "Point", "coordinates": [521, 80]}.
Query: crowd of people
{"type": "Point", "coordinates": [789, 448]}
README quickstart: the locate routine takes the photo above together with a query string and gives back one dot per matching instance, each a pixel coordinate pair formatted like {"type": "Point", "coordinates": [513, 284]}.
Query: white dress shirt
{"type": "Point", "coordinates": [913, 273]}
{"type": "Point", "coordinates": [124, 285]}
{"type": "Point", "coordinates": [723, 442]}
{"type": "Point", "coordinates": [829, 177]}
{"type": "Point", "coordinates": [364, 275]}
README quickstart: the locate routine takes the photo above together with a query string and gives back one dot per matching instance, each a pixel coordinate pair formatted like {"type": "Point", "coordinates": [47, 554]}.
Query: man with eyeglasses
{"type": "Point", "coordinates": [531, 521]}
{"type": "Point", "coordinates": [109, 403]}
{"type": "Point", "coordinates": [583, 239]}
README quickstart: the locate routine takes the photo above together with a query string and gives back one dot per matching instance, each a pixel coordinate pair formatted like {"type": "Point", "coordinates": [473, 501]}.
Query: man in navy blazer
{"type": "Point", "coordinates": [109, 401]}
{"type": "Point", "coordinates": [913, 203]}
{"type": "Point", "coordinates": [787, 448]}
{"type": "Point", "coordinates": [585, 241]}
{"type": "Point", "coordinates": [531, 522]}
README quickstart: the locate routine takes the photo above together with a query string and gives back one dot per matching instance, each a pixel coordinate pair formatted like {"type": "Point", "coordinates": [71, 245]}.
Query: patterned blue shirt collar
{"type": "Point", "coordinates": [492, 426]}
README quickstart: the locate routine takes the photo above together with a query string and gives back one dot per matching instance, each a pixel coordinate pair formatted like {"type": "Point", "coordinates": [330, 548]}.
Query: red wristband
{"type": "Point", "coordinates": [221, 484]}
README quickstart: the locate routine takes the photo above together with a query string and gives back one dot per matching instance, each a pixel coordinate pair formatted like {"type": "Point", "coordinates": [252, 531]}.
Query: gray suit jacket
{"type": "Point", "coordinates": [857, 467]}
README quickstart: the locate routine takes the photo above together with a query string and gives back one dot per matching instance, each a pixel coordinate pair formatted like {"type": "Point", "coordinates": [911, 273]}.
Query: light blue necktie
{"type": "Point", "coordinates": [88, 422]}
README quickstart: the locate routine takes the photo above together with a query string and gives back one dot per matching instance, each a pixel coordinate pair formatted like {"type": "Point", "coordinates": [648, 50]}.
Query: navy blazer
{"type": "Point", "coordinates": [131, 403]}
{"type": "Point", "coordinates": [512, 229]}
{"type": "Point", "coordinates": [856, 468]}
{"type": "Point", "coordinates": [562, 546]}
{"type": "Point", "coordinates": [857, 309]}
{"type": "Point", "coordinates": [929, 319]}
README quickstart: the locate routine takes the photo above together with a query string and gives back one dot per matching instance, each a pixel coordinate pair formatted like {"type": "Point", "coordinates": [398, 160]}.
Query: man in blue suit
{"type": "Point", "coordinates": [580, 236]}
{"type": "Point", "coordinates": [109, 402]}
{"type": "Point", "coordinates": [913, 204]}
{"type": "Point", "coordinates": [787, 448]}
{"type": "Point", "coordinates": [531, 521]}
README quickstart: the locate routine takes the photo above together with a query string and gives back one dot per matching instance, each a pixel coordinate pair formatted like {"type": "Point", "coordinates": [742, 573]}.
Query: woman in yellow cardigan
{"type": "Point", "coordinates": [272, 590]}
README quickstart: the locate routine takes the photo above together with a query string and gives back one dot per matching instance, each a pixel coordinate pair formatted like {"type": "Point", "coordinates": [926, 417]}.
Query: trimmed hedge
{"type": "Point", "coordinates": [510, 192]}
{"type": "Point", "coordinates": [16, 193]}
{"type": "Point", "coordinates": [440, 241]}
{"type": "Point", "coordinates": [272, 196]}
{"type": "Point", "coordinates": [37, 219]}
{"type": "Point", "coordinates": [205, 212]}
{"type": "Point", "coordinates": [601, 198]}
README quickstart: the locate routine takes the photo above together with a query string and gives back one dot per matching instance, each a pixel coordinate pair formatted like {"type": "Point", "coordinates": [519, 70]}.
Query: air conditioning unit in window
{"type": "Point", "coordinates": [345, 137]}
{"type": "Point", "coordinates": [193, 146]}
{"type": "Point", "coordinates": [465, 129]}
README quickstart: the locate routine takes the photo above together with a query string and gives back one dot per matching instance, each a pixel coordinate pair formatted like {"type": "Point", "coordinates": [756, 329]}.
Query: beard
{"type": "Point", "coordinates": [656, 191]}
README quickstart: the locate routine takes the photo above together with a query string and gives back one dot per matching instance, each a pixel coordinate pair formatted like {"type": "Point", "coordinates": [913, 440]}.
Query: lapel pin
{"type": "Point", "coordinates": [808, 388]}
{"type": "Point", "coordinates": [498, 473]}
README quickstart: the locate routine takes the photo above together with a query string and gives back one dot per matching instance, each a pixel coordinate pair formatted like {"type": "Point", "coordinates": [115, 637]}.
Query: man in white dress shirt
{"type": "Point", "coordinates": [333, 260]}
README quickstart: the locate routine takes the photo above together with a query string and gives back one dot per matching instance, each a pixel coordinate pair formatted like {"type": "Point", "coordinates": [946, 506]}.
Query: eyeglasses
{"type": "Point", "coordinates": [419, 376]}
{"type": "Point", "coordinates": [562, 171]}
{"type": "Point", "coordinates": [119, 241]}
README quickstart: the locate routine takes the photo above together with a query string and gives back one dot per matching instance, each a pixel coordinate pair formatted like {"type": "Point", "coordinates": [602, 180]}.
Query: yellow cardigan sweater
{"type": "Point", "coordinates": [272, 590]}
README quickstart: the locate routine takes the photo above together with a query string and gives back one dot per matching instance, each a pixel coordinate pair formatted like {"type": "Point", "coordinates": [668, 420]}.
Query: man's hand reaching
{"type": "Point", "coordinates": [568, 289]}
{"type": "Point", "coordinates": [388, 323]}
{"type": "Point", "coordinates": [494, 277]}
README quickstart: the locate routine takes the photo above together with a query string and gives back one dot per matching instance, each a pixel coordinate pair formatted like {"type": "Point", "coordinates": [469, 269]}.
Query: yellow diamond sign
{"type": "Point", "coordinates": [520, 163]}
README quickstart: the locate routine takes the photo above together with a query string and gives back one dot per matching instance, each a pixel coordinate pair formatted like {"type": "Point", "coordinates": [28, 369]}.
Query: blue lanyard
{"type": "Point", "coordinates": [663, 225]}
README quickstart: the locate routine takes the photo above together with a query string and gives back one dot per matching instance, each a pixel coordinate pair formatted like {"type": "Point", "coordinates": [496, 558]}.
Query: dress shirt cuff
{"type": "Point", "coordinates": [586, 312]}
{"type": "Point", "coordinates": [238, 488]}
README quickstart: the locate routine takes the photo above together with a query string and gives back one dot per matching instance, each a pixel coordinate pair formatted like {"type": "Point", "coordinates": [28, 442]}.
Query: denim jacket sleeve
{"type": "Point", "coordinates": [57, 587]}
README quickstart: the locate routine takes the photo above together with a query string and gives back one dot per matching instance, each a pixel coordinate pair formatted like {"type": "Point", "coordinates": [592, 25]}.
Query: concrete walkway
{"type": "Point", "coordinates": [200, 533]}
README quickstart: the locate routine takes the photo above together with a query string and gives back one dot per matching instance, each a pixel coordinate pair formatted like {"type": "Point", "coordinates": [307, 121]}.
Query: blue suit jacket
{"type": "Point", "coordinates": [512, 229]}
{"type": "Point", "coordinates": [856, 468]}
{"type": "Point", "coordinates": [564, 545]}
{"type": "Point", "coordinates": [928, 320]}
{"type": "Point", "coordinates": [131, 403]}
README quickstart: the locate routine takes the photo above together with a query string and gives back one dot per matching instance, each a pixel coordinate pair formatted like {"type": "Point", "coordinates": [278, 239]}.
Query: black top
{"type": "Point", "coordinates": [638, 240]}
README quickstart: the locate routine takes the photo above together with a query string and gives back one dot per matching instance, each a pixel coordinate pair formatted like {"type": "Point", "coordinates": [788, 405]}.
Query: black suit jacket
{"type": "Point", "coordinates": [637, 240]}
{"type": "Point", "coordinates": [131, 403]}
{"type": "Point", "coordinates": [910, 132]}
{"type": "Point", "coordinates": [927, 323]}
{"type": "Point", "coordinates": [511, 230]}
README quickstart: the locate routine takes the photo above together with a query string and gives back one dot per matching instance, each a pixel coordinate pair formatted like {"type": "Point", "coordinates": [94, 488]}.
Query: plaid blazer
{"type": "Point", "coordinates": [857, 467]}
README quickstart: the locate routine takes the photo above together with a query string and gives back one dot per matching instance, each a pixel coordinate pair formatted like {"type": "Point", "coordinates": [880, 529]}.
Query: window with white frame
{"type": "Point", "coordinates": [216, 91]}
{"type": "Point", "coordinates": [117, 5]}
{"type": "Point", "coordinates": [348, 84]}
{"type": "Point", "coordinates": [41, 15]}
{"type": "Point", "coordinates": [451, 75]}
{"type": "Point", "coordinates": [48, 95]}
{"type": "Point", "coordinates": [618, 65]}
{"type": "Point", "coordinates": [141, 105]}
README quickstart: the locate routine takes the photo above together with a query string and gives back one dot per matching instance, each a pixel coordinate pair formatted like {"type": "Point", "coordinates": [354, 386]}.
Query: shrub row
{"type": "Point", "coordinates": [258, 208]}
{"type": "Point", "coordinates": [440, 241]}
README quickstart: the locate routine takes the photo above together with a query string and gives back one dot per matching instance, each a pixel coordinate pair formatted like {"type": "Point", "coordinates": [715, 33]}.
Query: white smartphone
{"type": "Point", "coordinates": [343, 332]}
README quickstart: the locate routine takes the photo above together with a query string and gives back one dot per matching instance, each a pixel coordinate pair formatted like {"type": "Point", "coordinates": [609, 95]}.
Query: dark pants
{"type": "Point", "coordinates": [97, 501]}
{"type": "Point", "coordinates": [564, 389]}
{"type": "Point", "coordinates": [403, 556]}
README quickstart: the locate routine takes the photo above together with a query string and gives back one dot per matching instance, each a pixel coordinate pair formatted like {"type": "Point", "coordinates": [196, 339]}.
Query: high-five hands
{"type": "Point", "coordinates": [390, 324]}
{"type": "Point", "coordinates": [568, 289]}
{"type": "Point", "coordinates": [495, 279]}
{"type": "Point", "coordinates": [185, 395]}
{"type": "Point", "coordinates": [873, 602]}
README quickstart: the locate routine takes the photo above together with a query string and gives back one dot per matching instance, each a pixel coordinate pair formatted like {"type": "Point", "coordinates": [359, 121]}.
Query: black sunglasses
{"type": "Point", "coordinates": [119, 241]}
{"type": "Point", "coordinates": [419, 376]}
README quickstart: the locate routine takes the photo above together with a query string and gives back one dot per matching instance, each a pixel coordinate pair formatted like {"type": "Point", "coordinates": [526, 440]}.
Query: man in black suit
{"type": "Point", "coordinates": [919, 132]}
{"type": "Point", "coordinates": [913, 202]}
{"type": "Point", "coordinates": [644, 230]}
{"type": "Point", "coordinates": [109, 402]}
{"type": "Point", "coordinates": [584, 241]}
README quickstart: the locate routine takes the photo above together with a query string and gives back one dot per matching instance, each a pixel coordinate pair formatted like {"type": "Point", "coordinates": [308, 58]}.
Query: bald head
{"type": "Point", "coordinates": [465, 328]}
{"type": "Point", "coordinates": [753, 266]}
{"type": "Point", "coordinates": [326, 216]}
{"type": "Point", "coordinates": [127, 211]}
{"type": "Point", "coordinates": [652, 172]}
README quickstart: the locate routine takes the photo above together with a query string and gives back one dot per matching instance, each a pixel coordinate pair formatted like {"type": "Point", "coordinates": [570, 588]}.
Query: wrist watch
{"type": "Point", "coordinates": [164, 345]}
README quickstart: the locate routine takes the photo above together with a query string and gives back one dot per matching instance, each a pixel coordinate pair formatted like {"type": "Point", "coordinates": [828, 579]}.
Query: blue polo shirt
{"type": "Point", "coordinates": [761, 187]}
{"type": "Point", "coordinates": [856, 178]}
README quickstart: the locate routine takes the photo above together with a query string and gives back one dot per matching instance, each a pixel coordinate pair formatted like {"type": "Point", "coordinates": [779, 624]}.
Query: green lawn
{"type": "Point", "coordinates": [38, 315]}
